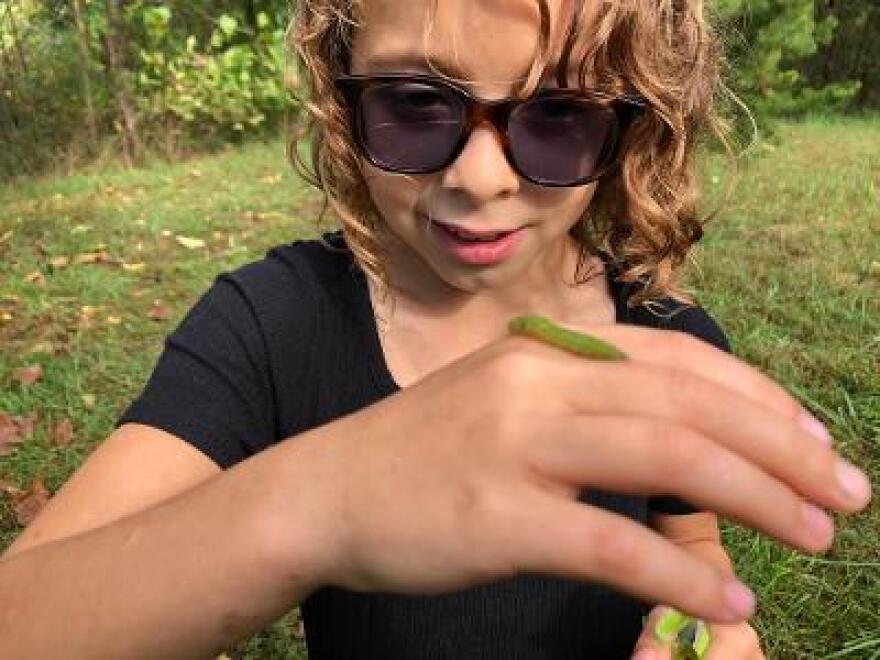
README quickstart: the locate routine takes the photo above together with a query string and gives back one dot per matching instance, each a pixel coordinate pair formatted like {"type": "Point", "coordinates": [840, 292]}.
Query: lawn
{"type": "Point", "coordinates": [96, 269]}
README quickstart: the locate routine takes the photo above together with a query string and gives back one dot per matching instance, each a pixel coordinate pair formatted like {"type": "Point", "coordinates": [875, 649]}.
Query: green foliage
{"type": "Point", "coordinates": [226, 86]}
{"type": "Point", "coordinates": [768, 39]}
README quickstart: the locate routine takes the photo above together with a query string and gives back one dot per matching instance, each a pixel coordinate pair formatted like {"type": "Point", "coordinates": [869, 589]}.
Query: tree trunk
{"type": "Point", "coordinates": [85, 62]}
{"type": "Point", "coordinates": [127, 120]}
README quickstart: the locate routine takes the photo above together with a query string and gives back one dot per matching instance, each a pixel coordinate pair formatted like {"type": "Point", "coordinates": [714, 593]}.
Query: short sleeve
{"type": "Point", "coordinates": [695, 321]}
{"type": "Point", "coordinates": [211, 385]}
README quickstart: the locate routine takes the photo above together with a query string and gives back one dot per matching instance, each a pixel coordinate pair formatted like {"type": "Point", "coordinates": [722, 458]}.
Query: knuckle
{"type": "Point", "coordinates": [683, 388]}
{"type": "Point", "coordinates": [614, 551]}
{"type": "Point", "coordinates": [680, 450]}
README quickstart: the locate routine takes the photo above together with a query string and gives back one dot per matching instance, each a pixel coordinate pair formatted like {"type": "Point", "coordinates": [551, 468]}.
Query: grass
{"type": "Point", "coordinates": [786, 270]}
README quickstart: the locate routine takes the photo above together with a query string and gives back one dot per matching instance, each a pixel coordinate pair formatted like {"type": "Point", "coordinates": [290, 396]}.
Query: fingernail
{"type": "Point", "coordinates": [818, 522]}
{"type": "Point", "coordinates": [740, 599]}
{"type": "Point", "coordinates": [853, 482]}
{"type": "Point", "coordinates": [645, 654]}
{"type": "Point", "coordinates": [815, 428]}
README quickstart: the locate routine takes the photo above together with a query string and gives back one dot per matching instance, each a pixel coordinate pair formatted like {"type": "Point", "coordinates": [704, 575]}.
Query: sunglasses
{"type": "Point", "coordinates": [419, 124]}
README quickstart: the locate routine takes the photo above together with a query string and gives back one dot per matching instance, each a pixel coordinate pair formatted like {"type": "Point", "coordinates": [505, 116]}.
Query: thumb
{"type": "Point", "coordinates": [649, 645]}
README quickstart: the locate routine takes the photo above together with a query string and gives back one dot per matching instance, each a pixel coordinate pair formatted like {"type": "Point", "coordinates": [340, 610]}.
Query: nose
{"type": "Point", "coordinates": [481, 169]}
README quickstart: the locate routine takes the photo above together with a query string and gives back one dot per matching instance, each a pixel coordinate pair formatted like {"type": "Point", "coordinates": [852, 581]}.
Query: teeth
{"type": "Point", "coordinates": [467, 236]}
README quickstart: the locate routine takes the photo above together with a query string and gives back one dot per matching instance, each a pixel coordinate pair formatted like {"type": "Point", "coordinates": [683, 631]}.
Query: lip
{"type": "Point", "coordinates": [480, 233]}
{"type": "Point", "coordinates": [475, 253]}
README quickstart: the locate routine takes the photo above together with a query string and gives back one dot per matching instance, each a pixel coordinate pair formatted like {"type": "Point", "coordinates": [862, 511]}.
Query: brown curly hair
{"type": "Point", "coordinates": [643, 214]}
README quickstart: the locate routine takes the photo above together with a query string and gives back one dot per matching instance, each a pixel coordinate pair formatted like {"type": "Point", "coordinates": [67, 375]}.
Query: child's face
{"type": "Point", "coordinates": [495, 41]}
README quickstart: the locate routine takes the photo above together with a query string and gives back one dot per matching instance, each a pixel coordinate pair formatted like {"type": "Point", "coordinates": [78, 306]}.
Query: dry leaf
{"type": "Point", "coordinates": [6, 236]}
{"type": "Point", "coordinates": [133, 268]}
{"type": "Point", "coordinates": [88, 400]}
{"type": "Point", "coordinates": [28, 375]}
{"type": "Point", "coordinates": [190, 243]}
{"type": "Point", "coordinates": [35, 278]}
{"type": "Point", "coordinates": [28, 504]}
{"type": "Point", "coordinates": [8, 487]}
{"type": "Point", "coordinates": [159, 312]}
{"type": "Point", "coordinates": [80, 229]}
{"type": "Point", "coordinates": [59, 262]}
{"type": "Point", "coordinates": [5, 317]}
{"type": "Point", "coordinates": [113, 320]}
{"type": "Point", "coordinates": [91, 258]}
{"type": "Point", "coordinates": [14, 430]}
{"type": "Point", "coordinates": [63, 434]}
{"type": "Point", "coordinates": [42, 347]}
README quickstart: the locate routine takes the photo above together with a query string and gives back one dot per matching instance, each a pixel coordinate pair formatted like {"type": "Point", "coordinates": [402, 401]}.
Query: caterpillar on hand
{"type": "Point", "coordinates": [690, 636]}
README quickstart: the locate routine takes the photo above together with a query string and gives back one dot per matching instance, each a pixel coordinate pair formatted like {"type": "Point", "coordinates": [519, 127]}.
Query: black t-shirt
{"type": "Point", "coordinates": [289, 343]}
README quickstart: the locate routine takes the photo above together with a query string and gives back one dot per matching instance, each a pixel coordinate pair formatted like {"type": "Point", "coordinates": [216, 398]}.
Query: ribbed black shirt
{"type": "Point", "coordinates": [289, 343]}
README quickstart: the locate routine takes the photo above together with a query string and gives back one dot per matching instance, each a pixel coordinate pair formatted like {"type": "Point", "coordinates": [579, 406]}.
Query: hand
{"type": "Point", "coordinates": [729, 642]}
{"type": "Point", "coordinates": [471, 475]}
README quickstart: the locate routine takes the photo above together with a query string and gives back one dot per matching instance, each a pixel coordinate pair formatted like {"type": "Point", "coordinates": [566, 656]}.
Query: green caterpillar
{"type": "Point", "coordinates": [691, 635]}
{"type": "Point", "coordinates": [569, 340]}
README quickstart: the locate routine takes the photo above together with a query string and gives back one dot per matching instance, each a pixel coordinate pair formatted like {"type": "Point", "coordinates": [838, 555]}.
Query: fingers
{"type": "Point", "coordinates": [568, 539]}
{"type": "Point", "coordinates": [681, 351]}
{"type": "Point", "coordinates": [669, 458]}
{"type": "Point", "coordinates": [774, 443]}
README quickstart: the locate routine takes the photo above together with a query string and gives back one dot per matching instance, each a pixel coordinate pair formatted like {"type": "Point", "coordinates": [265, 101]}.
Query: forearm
{"type": "Point", "coordinates": [185, 579]}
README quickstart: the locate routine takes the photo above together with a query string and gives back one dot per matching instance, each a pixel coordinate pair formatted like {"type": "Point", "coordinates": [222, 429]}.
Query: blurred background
{"type": "Point", "coordinates": [142, 152]}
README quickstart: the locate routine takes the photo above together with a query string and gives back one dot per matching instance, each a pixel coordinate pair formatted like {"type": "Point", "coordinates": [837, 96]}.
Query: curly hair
{"type": "Point", "coordinates": [643, 215]}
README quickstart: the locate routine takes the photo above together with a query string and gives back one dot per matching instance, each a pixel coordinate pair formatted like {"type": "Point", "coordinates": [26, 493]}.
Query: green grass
{"type": "Point", "coordinates": [786, 269]}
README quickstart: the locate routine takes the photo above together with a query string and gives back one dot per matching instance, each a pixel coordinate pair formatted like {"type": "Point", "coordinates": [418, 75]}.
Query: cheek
{"type": "Point", "coordinates": [392, 194]}
{"type": "Point", "coordinates": [562, 205]}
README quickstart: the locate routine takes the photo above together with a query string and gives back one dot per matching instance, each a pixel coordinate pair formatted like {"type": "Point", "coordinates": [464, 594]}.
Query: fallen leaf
{"type": "Point", "coordinates": [6, 236]}
{"type": "Point", "coordinates": [35, 278]}
{"type": "Point", "coordinates": [28, 503]}
{"type": "Point", "coordinates": [190, 243]}
{"type": "Point", "coordinates": [113, 320]}
{"type": "Point", "coordinates": [59, 262]}
{"type": "Point", "coordinates": [87, 311]}
{"type": "Point", "coordinates": [8, 487]}
{"type": "Point", "coordinates": [159, 312]}
{"type": "Point", "coordinates": [28, 375]}
{"type": "Point", "coordinates": [272, 179]}
{"type": "Point", "coordinates": [42, 347]}
{"type": "Point", "coordinates": [63, 434]}
{"type": "Point", "coordinates": [5, 317]}
{"type": "Point", "coordinates": [91, 258]}
{"type": "Point", "coordinates": [88, 400]}
{"type": "Point", "coordinates": [133, 268]}
{"type": "Point", "coordinates": [80, 229]}
{"type": "Point", "coordinates": [14, 430]}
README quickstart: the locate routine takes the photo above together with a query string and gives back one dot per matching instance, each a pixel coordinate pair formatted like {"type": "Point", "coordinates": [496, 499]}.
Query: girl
{"type": "Point", "coordinates": [346, 425]}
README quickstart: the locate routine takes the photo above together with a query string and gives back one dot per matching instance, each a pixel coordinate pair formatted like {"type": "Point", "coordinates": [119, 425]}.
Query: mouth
{"type": "Point", "coordinates": [475, 236]}
{"type": "Point", "coordinates": [476, 247]}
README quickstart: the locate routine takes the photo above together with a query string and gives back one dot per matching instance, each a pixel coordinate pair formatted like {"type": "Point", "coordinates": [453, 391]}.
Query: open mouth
{"type": "Point", "coordinates": [467, 236]}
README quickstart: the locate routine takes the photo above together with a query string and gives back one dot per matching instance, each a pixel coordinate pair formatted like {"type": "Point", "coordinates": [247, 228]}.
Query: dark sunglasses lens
{"type": "Point", "coordinates": [410, 126]}
{"type": "Point", "coordinates": [559, 141]}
